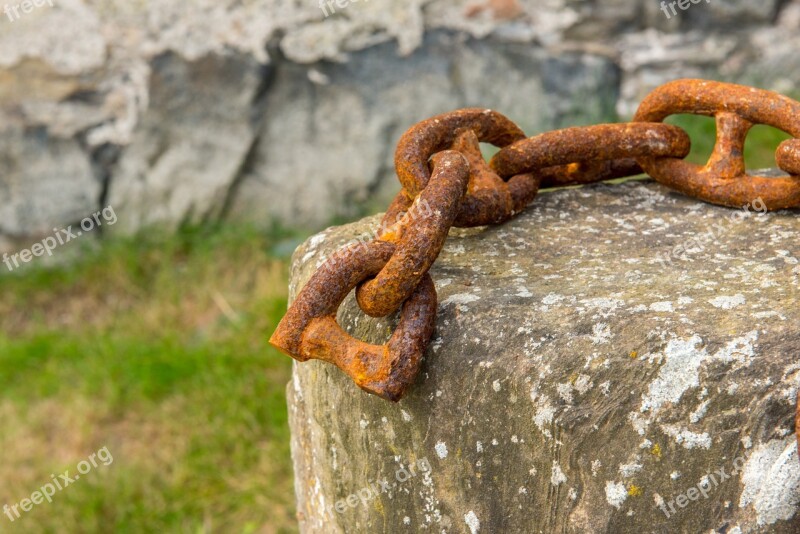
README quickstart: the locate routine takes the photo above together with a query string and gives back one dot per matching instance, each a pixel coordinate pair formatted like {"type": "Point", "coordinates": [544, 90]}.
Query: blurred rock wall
{"type": "Point", "coordinates": [268, 110]}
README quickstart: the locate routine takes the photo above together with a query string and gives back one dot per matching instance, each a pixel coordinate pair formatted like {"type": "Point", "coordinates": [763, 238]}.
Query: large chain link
{"type": "Point", "coordinates": [736, 108]}
{"type": "Point", "coordinates": [446, 182]}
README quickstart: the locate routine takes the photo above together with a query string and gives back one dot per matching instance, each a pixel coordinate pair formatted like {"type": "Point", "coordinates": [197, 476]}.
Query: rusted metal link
{"type": "Point", "coordinates": [590, 144]}
{"type": "Point", "coordinates": [724, 179]}
{"type": "Point", "coordinates": [423, 140]}
{"type": "Point", "coordinates": [788, 156]}
{"type": "Point", "coordinates": [418, 244]}
{"type": "Point", "coordinates": [309, 329]}
{"type": "Point", "coordinates": [588, 172]}
{"type": "Point", "coordinates": [396, 211]}
{"type": "Point", "coordinates": [490, 199]}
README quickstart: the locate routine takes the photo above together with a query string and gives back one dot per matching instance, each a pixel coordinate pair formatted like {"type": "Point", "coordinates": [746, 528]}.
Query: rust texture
{"type": "Point", "coordinates": [588, 172]}
{"type": "Point", "coordinates": [490, 199]}
{"type": "Point", "coordinates": [446, 182]}
{"type": "Point", "coordinates": [422, 141]}
{"type": "Point", "coordinates": [309, 329]}
{"type": "Point", "coordinates": [418, 244]}
{"type": "Point", "coordinates": [788, 156]}
{"type": "Point", "coordinates": [590, 144]}
{"type": "Point", "coordinates": [736, 108]}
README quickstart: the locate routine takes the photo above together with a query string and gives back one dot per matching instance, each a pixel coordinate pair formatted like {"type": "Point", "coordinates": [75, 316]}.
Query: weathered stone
{"type": "Point", "coordinates": [190, 144]}
{"type": "Point", "coordinates": [731, 13]}
{"type": "Point", "coordinates": [652, 58]}
{"type": "Point", "coordinates": [583, 371]}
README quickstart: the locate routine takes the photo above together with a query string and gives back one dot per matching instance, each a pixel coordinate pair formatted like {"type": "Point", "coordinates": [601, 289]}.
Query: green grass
{"type": "Point", "coordinates": [155, 347]}
{"type": "Point", "coordinates": [759, 149]}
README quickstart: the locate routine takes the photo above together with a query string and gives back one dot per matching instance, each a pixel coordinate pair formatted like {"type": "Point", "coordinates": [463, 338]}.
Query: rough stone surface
{"type": "Point", "coordinates": [267, 110]}
{"type": "Point", "coordinates": [607, 351]}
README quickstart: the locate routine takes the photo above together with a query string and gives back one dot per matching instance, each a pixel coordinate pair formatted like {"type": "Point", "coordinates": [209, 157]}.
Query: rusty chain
{"type": "Point", "coordinates": [440, 167]}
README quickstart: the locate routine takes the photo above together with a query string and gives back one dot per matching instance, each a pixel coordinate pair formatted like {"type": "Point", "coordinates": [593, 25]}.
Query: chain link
{"type": "Point", "coordinates": [736, 108]}
{"type": "Point", "coordinates": [440, 167]}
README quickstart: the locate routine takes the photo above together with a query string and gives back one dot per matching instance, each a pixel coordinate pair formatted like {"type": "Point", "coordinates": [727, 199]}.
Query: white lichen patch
{"type": "Point", "coordinates": [316, 240]}
{"type": "Point", "coordinates": [442, 283]}
{"type": "Point", "coordinates": [628, 470]}
{"type": "Point", "coordinates": [551, 299]}
{"type": "Point", "coordinates": [661, 307]}
{"type": "Point", "coordinates": [727, 302]}
{"type": "Point", "coordinates": [441, 449]}
{"type": "Point", "coordinates": [771, 479]}
{"type": "Point", "coordinates": [604, 307]}
{"type": "Point", "coordinates": [740, 350]}
{"type": "Point", "coordinates": [583, 383]}
{"type": "Point", "coordinates": [430, 504]}
{"type": "Point", "coordinates": [615, 493]}
{"type": "Point", "coordinates": [680, 371]}
{"type": "Point", "coordinates": [557, 476]}
{"type": "Point", "coordinates": [688, 439]}
{"type": "Point", "coordinates": [601, 333]}
{"type": "Point", "coordinates": [460, 299]}
{"type": "Point", "coordinates": [523, 291]}
{"type": "Point", "coordinates": [565, 392]}
{"type": "Point", "coordinates": [545, 412]}
{"type": "Point", "coordinates": [699, 412]}
{"type": "Point", "coordinates": [472, 522]}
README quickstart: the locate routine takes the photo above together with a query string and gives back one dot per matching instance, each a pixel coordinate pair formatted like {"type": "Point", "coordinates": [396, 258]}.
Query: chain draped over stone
{"type": "Point", "coordinates": [446, 182]}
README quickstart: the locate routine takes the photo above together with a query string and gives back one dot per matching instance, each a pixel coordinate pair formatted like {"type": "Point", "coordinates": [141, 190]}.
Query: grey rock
{"type": "Point", "coordinates": [604, 20]}
{"type": "Point", "coordinates": [652, 58]}
{"type": "Point", "coordinates": [581, 89]}
{"type": "Point", "coordinates": [46, 181]}
{"type": "Point", "coordinates": [190, 144]}
{"type": "Point", "coordinates": [731, 13]}
{"type": "Point", "coordinates": [610, 349]}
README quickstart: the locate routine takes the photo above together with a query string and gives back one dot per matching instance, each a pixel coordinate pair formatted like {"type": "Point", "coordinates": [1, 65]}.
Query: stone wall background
{"type": "Point", "coordinates": [266, 110]}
